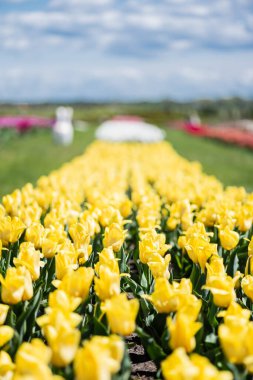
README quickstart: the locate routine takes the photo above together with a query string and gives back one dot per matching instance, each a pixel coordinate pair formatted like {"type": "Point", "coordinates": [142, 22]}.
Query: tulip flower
{"type": "Point", "coordinates": [182, 331]}
{"type": "Point", "coordinates": [6, 334]}
{"type": "Point", "coordinates": [64, 342]}
{"type": "Point", "coordinates": [3, 313]}
{"type": "Point", "coordinates": [235, 313]}
{"type": "Point", "coordinates": [231, 336]}
{"type": "Point", "coordinates": [107, 258]}
{"type": "Point", "coordinates": [163, 298]}
{"type": "Point", "coordinates": [208, 371]}
{"type": "Point", "coordinates": [59, 299]}
{"type": "Point", "coordinates": [159, 265]}
{"type": "Point", "coordinates": [65, 261]}
{"type": "Point", "coordinates": [114, 237]}
{"type": "Point", "coordinates": [34, 234]}
{"type": "Point", "coordinates": [99, 358]}
{"type": "Point", "coordinates": [6, 366]}
{"type": "Point", "coordinates": [80, 235]}
{"type": "Point", "coordinates": [179, 366]}
{"type": "Point", "coordinates": [110, 215]}
{"type": "Point", "coordinates": [108, 283]}
{"type": "Point", "coordinates": [121, 313]}
{"type": "Point", "coordinates": [250, 247]}
{"type": "Point", "coordinates": [32, 360]}
{"type": "Point", "coordinates": [247, 286]}
{"type": "Point", "coordinates": [29, 258]}
{"type": "Point", "coordinates": [12, 202]}
{"type": "Point", "coordinates": [76, 283]}
{"type": "Point", "coordinates": [10, 229]}
{"type": "Point", "coordinates": [228, 238]}
{"type": "Point", "coordinates": [215, 267]}
{"type": "Point", "coordinates": [16, 286]}
{"type": "Point", "coordinates": [152, 242]}
{"type": "Point", "coordinates": [222, 289]}
{"type": "Point", "coordinates": [50, 243]}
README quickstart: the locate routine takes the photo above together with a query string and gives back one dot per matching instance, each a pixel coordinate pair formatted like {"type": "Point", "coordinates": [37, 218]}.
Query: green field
{"type": "Point", "coordinates": [24, 158]}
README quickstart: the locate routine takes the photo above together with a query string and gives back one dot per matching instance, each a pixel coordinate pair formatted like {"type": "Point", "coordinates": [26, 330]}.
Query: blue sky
{"type": "Point", "coordinates": [125, 49]}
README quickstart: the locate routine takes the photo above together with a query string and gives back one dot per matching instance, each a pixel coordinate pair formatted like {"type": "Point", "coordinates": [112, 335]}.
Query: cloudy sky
{"type": "Point", "coordinates": [125, 49]}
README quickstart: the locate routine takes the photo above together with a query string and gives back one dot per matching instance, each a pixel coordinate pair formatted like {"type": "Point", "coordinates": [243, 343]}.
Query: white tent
{"type": "Point", "coordinates": [129, 129]}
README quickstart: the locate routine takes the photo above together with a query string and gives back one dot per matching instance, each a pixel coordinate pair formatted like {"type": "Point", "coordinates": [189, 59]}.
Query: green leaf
{"type": "Point", "coordinates": [143, 281]}
{"type": "Point", "coordinates": [154, 350]}
{"type": "Point", "coordinates": [233, 264]}
{"type": "Point", "coordinates": [99, 328]}
{"type": "Point", "coordinates": [211, 315]}
{"type": "Point", "coordinates": [134, 286]}
{"type": "Point", "coordinates": [31, 309]}
{"type": "Point", "coordinates": [195, 275]}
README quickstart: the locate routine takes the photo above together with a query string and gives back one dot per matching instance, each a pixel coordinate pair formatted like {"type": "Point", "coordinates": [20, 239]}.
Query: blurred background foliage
{"type": "Point", "coordinates": [23, 158]}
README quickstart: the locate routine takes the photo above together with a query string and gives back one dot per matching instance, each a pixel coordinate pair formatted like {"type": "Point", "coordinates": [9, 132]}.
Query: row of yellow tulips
{"type": "Point", "coordinates": [69, 300]}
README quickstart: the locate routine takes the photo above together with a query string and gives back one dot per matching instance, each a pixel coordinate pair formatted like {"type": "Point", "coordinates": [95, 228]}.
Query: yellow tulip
{"type": "Point", "coordinates": [50, 243]}
{"type": "Point", "coordinates": [12, 202]}
{"type": "Point", "coordinates": [16, 286]}
{"type": "Point", "coordinates": [231, 336]}
{"type": "Point", "coordinates": [172, 222]}
{"type": "Point", "coordinates": [109, 215]}
{"type": "Point", "coordinates": [6, 334]}
{"type": "Point", "coordinates": [179, 366]}
{"type": "Point", "coordinates": [64, 261]}
{"type": "Point", "coordinates": [61, 300]}
{"type": "Point", "coordinates": [180, 212]}
{"type": "Point", "coordinates": [184, 286]}
{"type": "Point", "coordinates": [63, 342]}
{"type": "Point", "coordinates": [248, 360]}
{"type": "Point", "coordinates": [222, 289]}
{"type": "Point", "coordinates": [182, 241]}
{"type": "Point", "coordinates": [126, 207]}
{"type": "Point", "coordinates": [107, 258]}
{"type": "Point", "coordinates": [6, 366]}
{"type": "Point", "coordinates": [182, 331]}
{"type": "Point", "coordinates": [11, 229]}
{"type": "Point", "coordinates": [163, 298]}
{"type": "Point", "coordinates": [29, 258]}
{"type": "Point", "coordinates": [207, 371]}
{"type": "Point", "coordinates": [244, 219]}
{"type": "Point", "coordinates": [114, 237]}
{"type": "Point", "coordinates": [152, 242]}
{"type": "Point", "coordinates": [199, 251]}
{"type": "Point", "coordinates": [250, 247]}
{"type": "Point", "coordinates": [80, 235]}
{"type": "Point", "coordinates": [99, 358]}
{"type": "Point", "coordinates": [3, 313]}
{"type": "Point", "coordinates": [235, 313]}
{"type": "Point", "coordinates": [189, 305]}
{"type": "Point", "coordinates": [159, 265]}
{"type": "Point", "coordinates": [215, 267]}
{"type": "Point", "coordinates": [228, 238]}
{"type": "Point", "coordinates": [121, 313]}
{"type": "Point", "coordinates": [247, 286]}
{"type": "Point", "coordinates": [77, 283]}
{"type": "Point", "coordinates": [108, 283]}
{"type": "Point", "coordinates": [58, 318]}
{"type": "Point", "coordinates": [32, 361]}
{"type": "Point", "coordinates": [34, 234]}
{"type": "Point", "coordinates": [30, 214]}
{"type": "Point", "coordinates": [90, 220]}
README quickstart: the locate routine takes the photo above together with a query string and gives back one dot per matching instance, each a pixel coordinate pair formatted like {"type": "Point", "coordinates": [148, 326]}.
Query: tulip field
{"type": "Point", "coordinates": [127, 247]}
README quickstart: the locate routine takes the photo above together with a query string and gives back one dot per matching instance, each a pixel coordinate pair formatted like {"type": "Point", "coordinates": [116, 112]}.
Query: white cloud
{"type": "Point", "coordinates": [78, 3]}
{"type": "Point", "coordinates": [138, 48]}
